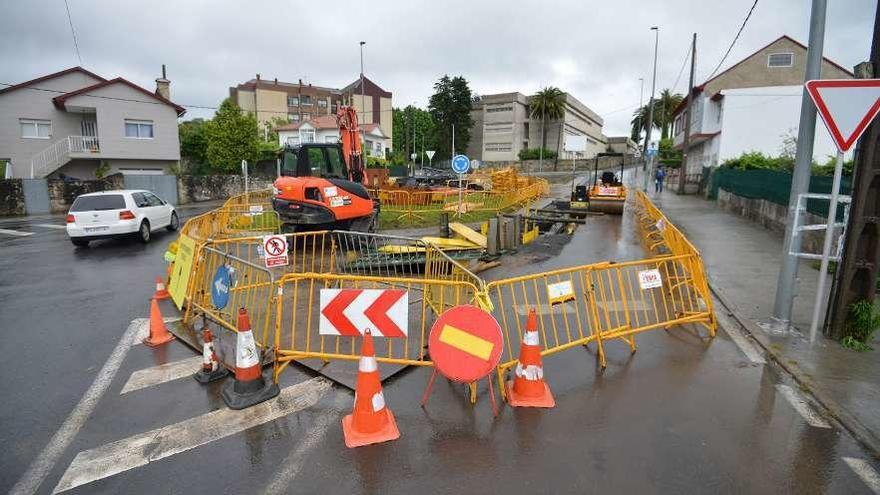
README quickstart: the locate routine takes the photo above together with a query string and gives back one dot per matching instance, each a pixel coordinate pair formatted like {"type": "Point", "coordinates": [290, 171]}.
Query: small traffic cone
{"type": "Point", "coordinates": [249, 386]}
{"type": "Point", "coordinates": [158, 333]}
{"type": "Point", "coordinates": [528, 388]}
{"type": "Point", "coordinates": [211, 369]}
{"type": "Point", "coordinates": [371, 421]}
{"type": "Point", "coordinates": [161, 291]}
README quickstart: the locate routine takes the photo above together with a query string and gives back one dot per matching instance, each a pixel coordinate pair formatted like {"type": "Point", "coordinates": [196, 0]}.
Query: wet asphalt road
{"type": "Point", "coordinates": [685, 414]}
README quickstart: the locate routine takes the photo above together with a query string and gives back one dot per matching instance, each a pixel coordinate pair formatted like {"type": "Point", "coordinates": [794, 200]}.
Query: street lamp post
{"type": "Point", "coordinates": [651, 106]}
{"type": "Point", "coordinates": [363, 105]}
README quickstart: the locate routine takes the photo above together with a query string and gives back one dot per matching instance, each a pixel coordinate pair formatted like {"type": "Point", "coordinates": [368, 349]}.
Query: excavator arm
{"type": "Point", "coordinates": [352, 151]}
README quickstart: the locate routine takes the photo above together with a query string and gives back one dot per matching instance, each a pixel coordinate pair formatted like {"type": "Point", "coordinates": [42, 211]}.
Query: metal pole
{"type": "Point", "coordinates": [682, 170]}
{"type": "Point", "coordinates": [363, 106]}
{"type": "Point", "coordinates": [651, 105]}
{"type": "Point", "coordinates": [826, 247]}
{"type": "Point", "coordinates": [639, 117]}
{"type": "Point", "coordinates": [800, 181]}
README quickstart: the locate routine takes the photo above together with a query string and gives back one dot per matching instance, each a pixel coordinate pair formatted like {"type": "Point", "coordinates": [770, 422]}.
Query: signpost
{"type": "Point", "coordinates": [244, 173]}
{"type": "Point", "coordinates": [460, 165]}
{"type": "Point", "coordinates": [649, 162]}
{"type": "Point", "coordinates": [220, 287]}
{"type": "Point", "coordinates": [275, 250]}
{"type": "Point", "coordinates": [430, 154]}
{"type": "Point", "coordinates": [576, 145]}
{"type": "Point", "coordinates": [846, 106]}
{"type": "Point", "coordinates": [183, 260]}
{"type": "Point", "coordinates": [351, 312]}
{"type": "Point", "coordinates": [465, 344]}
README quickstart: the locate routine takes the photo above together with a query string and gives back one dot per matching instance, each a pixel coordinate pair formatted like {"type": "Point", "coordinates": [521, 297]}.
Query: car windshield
{"type": "Point", "coordinates": [99, 202]}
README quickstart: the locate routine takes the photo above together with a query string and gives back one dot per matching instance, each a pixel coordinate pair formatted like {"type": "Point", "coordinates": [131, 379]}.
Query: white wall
{"type": "Point", "coordinates": [758, 119]}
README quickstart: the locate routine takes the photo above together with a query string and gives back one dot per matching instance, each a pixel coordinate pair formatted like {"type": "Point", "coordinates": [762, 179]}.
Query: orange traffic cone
{"type": "Point", "coordinates": [528, 388]}
{"type": "Point", "coordinates": [249, 386]}
{"type": "Point", "coordinates": [211, 369]}
{"type": "Point", "coordinates": [161, 291]}
{"type": "Point", "coordinates": [371, 421]}
{"type": "Point", "coordinates": [158, 333]}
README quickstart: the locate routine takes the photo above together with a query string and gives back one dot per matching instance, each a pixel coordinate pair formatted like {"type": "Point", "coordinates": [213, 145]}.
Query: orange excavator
{"type": "Point", "coordinates": [322, 185]}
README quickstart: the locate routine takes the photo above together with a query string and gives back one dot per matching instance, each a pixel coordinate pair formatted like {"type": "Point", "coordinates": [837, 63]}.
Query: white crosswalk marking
{"type": "Point", "coordinates": [736, 334]}
{"type": "Point", "coordinates": [141, 449]}
{"type": "Point", "coordinates": [17, 233]}
{"type": "Point", "coordinates": [800, 405]}
{"type": "Point", "coordinates": [864, 471]}
{"type": "Point", "coordinates": [156, 375]}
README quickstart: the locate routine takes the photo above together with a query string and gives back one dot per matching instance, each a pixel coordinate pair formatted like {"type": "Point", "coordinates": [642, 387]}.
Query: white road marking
{"type": "Point", "coordinates": [51, 226]}
{"type": "Point", "coordinates": [141, 449]}
{"type": "Point", "coordinates": [292, 465]}
{"type": "Point", "coordinates": [44, 462]}
{"type": "Point", "coordinates": [864, 471]}
{"type": "Point", "coordinates": [736, 334]}
{"type": "Point", "coordinates": [802, 407]}
{"type": "Point", "coordinates": [157, 375]}
{"type": "Point", "coordinates": [15, 232]}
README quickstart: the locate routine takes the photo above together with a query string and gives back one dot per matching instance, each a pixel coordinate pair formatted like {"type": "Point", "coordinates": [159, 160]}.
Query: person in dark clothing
{"type": "Point", "coordinates": [658, 179]}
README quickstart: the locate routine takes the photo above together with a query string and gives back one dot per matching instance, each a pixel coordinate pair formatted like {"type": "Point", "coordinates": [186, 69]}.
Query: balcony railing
{"type": "Point", "coordinates": [56, 155]}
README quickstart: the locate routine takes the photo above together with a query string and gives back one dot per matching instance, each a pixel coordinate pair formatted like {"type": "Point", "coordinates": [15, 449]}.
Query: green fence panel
{"type": "Point", "coordinates": [774, 186]}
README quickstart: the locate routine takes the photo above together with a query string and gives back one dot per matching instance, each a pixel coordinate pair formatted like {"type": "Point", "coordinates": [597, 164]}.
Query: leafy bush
{"type": "Point", "coordinates": [375, 162]}
{"type": "Point", "coordinates": [535, 154]}
{"type": "Point", "coordinates": [862, 321]}
{"type": "Point", "coordinates": [755, 160]}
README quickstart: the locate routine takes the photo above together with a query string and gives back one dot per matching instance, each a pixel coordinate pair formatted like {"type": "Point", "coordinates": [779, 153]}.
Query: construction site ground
{"type": "Point", "coordinates": [87, 409]}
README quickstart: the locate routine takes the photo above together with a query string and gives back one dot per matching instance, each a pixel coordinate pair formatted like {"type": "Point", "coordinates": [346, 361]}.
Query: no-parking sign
{"type": "Point", "coordinates": [275, 250]}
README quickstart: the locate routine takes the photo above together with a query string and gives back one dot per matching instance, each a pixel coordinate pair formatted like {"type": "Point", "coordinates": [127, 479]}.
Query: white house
{"type": "Point", "coordinates": [753, 106]}
{"type": "Point", "coordinates": [324, 129]}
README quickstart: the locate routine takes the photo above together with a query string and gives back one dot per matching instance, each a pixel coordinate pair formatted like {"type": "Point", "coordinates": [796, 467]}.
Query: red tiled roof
{"type": "Point", "coordinates": [59, 100]}
{"type": "Point", "coordinates": [51, 76]}
{"type": "Point", "coordinates": [324, 122]}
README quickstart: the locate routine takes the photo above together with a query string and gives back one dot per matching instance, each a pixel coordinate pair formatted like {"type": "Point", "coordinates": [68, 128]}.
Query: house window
{"type": "Point", "coordinates": [499, 146]}
{"type": "Point", "coordinates": [139, 129]}
{"type": "Point", "coordinates": [292, 101]}
{"type": "Point", "coordinates": [306, 100]}
{"type": "Point", "coordinates": [307, 116]}
{"type": "Point", "coordinates": [307, 135]}
{"type": "Point", "coordinates": [780, 60]}
{"type": "Point", "coordinates": [322, 103]}
{"type": "Point", "coordinates": [294, 117]}
{"type": "Point", "coordinates": [35, 129]}
{"type": "Point", "coordinates": [499, 109]}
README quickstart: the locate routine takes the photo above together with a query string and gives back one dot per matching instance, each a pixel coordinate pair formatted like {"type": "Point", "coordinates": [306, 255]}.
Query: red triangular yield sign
{"type": "Point", "coordinates": [846, 106]}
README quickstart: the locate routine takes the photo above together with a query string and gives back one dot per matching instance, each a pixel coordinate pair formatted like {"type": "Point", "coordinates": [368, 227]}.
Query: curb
{"type": "Point", "coordinates": [862, 434]}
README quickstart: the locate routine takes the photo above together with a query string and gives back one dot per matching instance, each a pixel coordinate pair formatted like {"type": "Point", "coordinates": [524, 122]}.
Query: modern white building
{"type": "Point", "coordinates": [324, 129]}
{"type": "Point", "coordinates": [753, 106]}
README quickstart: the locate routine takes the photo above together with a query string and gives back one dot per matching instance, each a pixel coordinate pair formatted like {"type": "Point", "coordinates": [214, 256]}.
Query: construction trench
{"type": "Point", "coordinates": [438, 266]}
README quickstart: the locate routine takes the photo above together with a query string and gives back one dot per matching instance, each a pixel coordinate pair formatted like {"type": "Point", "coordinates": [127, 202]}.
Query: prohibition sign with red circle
{"type": "Point", "coordinates": [465, 343]}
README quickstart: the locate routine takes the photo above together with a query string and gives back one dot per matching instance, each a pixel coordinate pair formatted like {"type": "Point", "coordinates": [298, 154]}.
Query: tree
{"type": "Point", "coordinates": [450, 105]}
{"type": "Point", "coordinates": [549, 103]}
{"type": "Point", "coordinates": [232, 137]}
{"type": "Point", "coordinates": [272, 134]}
{"type": "Point", "coordinates": [404, 122]}
{"type": "Point", "coordinates": [664, 106]}
{"type": "Point", "coordinates": [193, 144]}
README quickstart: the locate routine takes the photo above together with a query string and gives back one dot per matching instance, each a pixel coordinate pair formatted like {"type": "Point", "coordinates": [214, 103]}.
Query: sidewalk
{"type": "Point", "coordinates": [742, 260]}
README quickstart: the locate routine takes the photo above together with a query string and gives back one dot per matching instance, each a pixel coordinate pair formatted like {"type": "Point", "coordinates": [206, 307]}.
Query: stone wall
{"type": "Point", "coordinates": [11, 197]}
{"type": "Point", "coordinates": [195, 188]}
{"type": "Point", "coordinates": [586, 164]}
{"type": "Point", "coordinates": [63, 192]}
{"type": "Point", "coordinates": [771, 216]}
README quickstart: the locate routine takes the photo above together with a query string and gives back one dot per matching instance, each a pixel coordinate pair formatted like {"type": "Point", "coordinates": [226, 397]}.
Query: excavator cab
{"type": "Point", "coordinates": [315, 191]}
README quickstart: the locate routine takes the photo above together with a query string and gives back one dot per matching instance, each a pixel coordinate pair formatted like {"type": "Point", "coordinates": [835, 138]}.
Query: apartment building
{"type": "Point", "coordinates": [301, 102]}
{"type": "Point", "coordinates": [752, 106]}
{"type": "Point", "coordinates": [503, 127]}
{"type": "Point", "coordinates": [74, 121]}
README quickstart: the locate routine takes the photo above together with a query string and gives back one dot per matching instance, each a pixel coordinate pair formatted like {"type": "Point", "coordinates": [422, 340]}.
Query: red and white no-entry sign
{"type": "Point", "coordinates": [465, 343]}
{"type": "Point", "coordinates": [846, 106]}
{"type": "Point", "coordinates": [275, 250]}
{"type": "Point", "coordinates": [350, 312]}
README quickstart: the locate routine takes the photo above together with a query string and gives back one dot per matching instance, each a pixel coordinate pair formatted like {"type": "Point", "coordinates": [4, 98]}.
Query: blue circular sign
{"type": "Point", "coordinates": [220, 287]}
{"type": "Point", "coordinates": [460, 164]}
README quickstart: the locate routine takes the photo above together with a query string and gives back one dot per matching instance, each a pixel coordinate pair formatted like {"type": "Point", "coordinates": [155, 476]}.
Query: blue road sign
{"type": "Point", "coordinates": [460, 164]}
{"type": "Point", "coordinates": [220, 287]}
{"type": "Point", "coordinates": [651, 152]}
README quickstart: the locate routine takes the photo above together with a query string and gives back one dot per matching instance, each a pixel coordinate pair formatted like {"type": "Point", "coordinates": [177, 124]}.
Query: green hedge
{"type": "Point", "coordinates": [773, 186]}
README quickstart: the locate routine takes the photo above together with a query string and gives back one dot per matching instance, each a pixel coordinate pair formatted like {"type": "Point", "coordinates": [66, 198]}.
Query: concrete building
{"type": "Point", "coordinates": [753, 106]}
{"type": "Point", "coordinates": [503, 127]}
{"type": "Point", "coordinates": [622, 144]}
{"type": "Point", "coordinates": [301, 102]}
{"type": "Point", "coordinates": [324, 129]}
{"type": "Point", "coordinates": [75, 122]}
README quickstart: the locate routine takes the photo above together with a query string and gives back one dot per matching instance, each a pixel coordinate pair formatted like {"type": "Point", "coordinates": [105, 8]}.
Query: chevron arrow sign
{"type": "Point", "coordinates": [350, 312]}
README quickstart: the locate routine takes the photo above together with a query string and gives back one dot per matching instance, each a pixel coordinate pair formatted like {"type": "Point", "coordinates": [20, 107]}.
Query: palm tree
{"type": "Point", "coordinates": [664, 106]}
{"type": "Point", "coordinates": [549, 103]}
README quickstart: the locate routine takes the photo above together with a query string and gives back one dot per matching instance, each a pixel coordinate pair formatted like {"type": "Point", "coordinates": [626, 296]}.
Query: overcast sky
{"type": "Point", "coordinates": [595, 50]}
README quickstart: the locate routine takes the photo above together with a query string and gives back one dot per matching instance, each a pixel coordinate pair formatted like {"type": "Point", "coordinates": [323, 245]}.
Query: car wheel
{"type": "Point", "coordinates": [79, 242]}
{"type": "Point", "coordinates": [144, 232]}
{"type": "Point", "coordinates": [175, 222]}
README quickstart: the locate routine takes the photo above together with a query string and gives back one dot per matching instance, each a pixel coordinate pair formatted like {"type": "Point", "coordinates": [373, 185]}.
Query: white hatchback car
{"type": "Point", "coordinates": [112, 214]}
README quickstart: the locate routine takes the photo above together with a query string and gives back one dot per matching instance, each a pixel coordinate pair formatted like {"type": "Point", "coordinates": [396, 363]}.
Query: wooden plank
{"type": "Point", "coordinates": [468, 233]}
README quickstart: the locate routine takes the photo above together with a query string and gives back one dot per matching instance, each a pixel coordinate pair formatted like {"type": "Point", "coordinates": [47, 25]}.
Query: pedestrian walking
{"type": "Point", "coordinates": [658, 179]}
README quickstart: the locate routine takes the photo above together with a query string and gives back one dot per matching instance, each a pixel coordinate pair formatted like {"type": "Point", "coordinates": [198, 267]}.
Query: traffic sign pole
{"type": "Point", "coordinates": [826, 246]}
